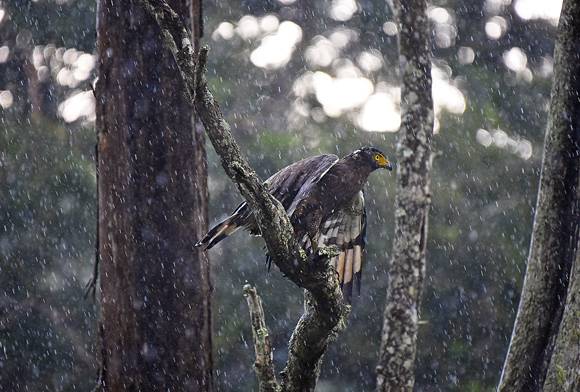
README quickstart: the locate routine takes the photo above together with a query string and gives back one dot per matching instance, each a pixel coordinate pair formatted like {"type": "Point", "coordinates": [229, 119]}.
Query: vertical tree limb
{"type": "Point", "coordinates": [564, 369]}
{"type": "Point", "coordinates": [154, 290]}
{"type": "Point", "coordinates": [264, 364]}
{"type": "Point", "coordinates": [323, 319]}
{"type": "Point", "coordinates": [553, 244]}
{"type": "Point", "coordinates": [316, 328]}
{"type": "Point", "coordinates": [395, 370]}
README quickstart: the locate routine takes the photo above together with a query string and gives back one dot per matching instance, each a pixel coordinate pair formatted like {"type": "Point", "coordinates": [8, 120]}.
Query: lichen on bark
{"type": "Point", "coordinates": [395, 370]}
{"type": "Point", "coordinates": [264, 365]}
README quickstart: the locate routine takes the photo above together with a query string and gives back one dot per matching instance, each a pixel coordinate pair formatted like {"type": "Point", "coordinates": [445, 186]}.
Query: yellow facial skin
{"type": "Point", "coordinates": [381, 160]}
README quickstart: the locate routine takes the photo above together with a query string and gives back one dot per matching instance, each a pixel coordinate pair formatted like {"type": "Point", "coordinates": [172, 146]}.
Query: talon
{"type": "Point", "coordinates": [313, 245]}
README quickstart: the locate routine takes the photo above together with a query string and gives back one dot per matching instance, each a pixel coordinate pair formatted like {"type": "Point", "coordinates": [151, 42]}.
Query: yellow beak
{"type": "Point", "coordinates": [384, 162]}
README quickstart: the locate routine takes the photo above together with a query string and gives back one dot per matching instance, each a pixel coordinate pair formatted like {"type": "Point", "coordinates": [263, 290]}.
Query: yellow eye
{"type": "Point", "coordinates": [377, 157]}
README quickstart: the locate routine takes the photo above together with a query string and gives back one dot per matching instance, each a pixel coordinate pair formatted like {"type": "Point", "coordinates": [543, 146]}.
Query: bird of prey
{"type": "Point", "coordinates": [323, 197]}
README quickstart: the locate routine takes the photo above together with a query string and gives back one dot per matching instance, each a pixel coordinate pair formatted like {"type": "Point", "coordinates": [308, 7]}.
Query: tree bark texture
{"type": "Point", "coordinates": [155, 289]}
{"type": "Point", "coordinates": [326, 310]}
{"type": "Point", "coordinates": [564, 369]}
{"type": "Point", "coordinates": [395, 370]}
{"type": "Point", "coordinates": [264, 364]}
{"type": "Point", "coordinates": [555, 233]}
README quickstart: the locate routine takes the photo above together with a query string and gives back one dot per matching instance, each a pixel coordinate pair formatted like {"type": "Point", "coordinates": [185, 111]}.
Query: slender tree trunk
{"type": "Point", "coordinates": [554, 242]}
{"type": "Point", "coordinates": [152, 208]}
{"type": "Point", "coordinates": [395, 370]}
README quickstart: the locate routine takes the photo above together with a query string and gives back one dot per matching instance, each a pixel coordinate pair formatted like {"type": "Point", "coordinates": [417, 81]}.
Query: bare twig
{"type": "Point", "coordinates": [264, 365]}
{"type": "Point", "coordinates": [326, 310]}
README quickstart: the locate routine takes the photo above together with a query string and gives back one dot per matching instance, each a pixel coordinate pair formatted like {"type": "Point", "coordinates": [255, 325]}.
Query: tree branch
{"type": "Point", "coordinates": [326, 310]}
{"type": "Point", "coordinates": [264, 365]}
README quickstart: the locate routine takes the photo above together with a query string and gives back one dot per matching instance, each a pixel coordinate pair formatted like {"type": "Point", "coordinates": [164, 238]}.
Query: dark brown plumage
{"type": "Point", "coordinates": [323, 198]}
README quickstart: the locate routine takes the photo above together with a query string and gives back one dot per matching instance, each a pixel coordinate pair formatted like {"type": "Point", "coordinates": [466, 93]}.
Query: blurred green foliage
{"type": "Point", "coordinates": [47, 221]}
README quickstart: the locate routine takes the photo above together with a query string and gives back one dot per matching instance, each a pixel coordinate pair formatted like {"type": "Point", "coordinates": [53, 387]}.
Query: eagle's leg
{"type": "Point", "coordinates": [313, 243]}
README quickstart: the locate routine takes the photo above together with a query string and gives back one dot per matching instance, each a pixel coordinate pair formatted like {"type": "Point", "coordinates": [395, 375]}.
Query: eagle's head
{"type": "Point", "coordinates": [374, 157]}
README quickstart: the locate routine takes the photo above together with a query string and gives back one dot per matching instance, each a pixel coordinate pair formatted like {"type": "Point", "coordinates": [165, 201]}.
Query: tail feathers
{"type": "Point", "coordinates": [347, 236]}
{"type": "Point", "coordinates": [219, 232]}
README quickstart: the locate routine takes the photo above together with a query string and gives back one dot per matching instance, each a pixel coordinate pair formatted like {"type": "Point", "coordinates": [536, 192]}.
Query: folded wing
{"type": "Point", "coordinates": [286, 186]}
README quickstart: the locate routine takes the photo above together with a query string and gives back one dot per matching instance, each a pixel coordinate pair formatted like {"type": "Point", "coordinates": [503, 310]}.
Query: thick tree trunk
{"type": "Point", "coordinates": [564, 369]}
{"type": "Point", "coordinates": [395, 370]}
{"type": "Point", "coordinates": [555, 235]}
{"type": "Point", "coordinates": [152, 208]}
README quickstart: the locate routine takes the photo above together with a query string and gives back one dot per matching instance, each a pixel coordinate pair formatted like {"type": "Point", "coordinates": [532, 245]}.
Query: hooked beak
{"type": "Point", "coordinates": [385, 163]}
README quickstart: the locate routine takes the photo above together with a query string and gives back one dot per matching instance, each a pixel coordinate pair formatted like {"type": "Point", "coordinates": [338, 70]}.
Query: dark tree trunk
{"type": "Point", "coordinates": [554, 245]}
{"type": "Point", "coordinates": [155, 289]}
{"type": "Point", "coordinates": [563, 371]}
{"type": "Point", "coordinates": [396, 367]}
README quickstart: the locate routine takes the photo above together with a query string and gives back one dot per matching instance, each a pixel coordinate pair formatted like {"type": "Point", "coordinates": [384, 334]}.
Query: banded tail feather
{"type": "Point", "coordinates": [241, 218]}
{"type": "Point", "coordinates": [346, 229]}
{"type": "Point", "coordinates": [218, 232]}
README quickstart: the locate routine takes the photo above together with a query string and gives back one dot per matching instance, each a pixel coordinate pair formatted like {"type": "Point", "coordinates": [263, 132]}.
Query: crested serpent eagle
{"type": "Point", "coordinates": [324, 200]}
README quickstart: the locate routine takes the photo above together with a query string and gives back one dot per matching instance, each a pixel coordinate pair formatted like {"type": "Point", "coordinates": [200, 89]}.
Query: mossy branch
{"type": "Point", "coordinates": [264, 366]}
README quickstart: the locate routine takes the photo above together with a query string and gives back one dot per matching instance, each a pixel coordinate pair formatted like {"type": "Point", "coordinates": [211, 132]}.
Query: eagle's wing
{"type": "Point", "coordinates": [294, 180]}
{"type": "Point", "coordinates": [287, 185]}
{"type": "Point", "coordinates": [346, 229]}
